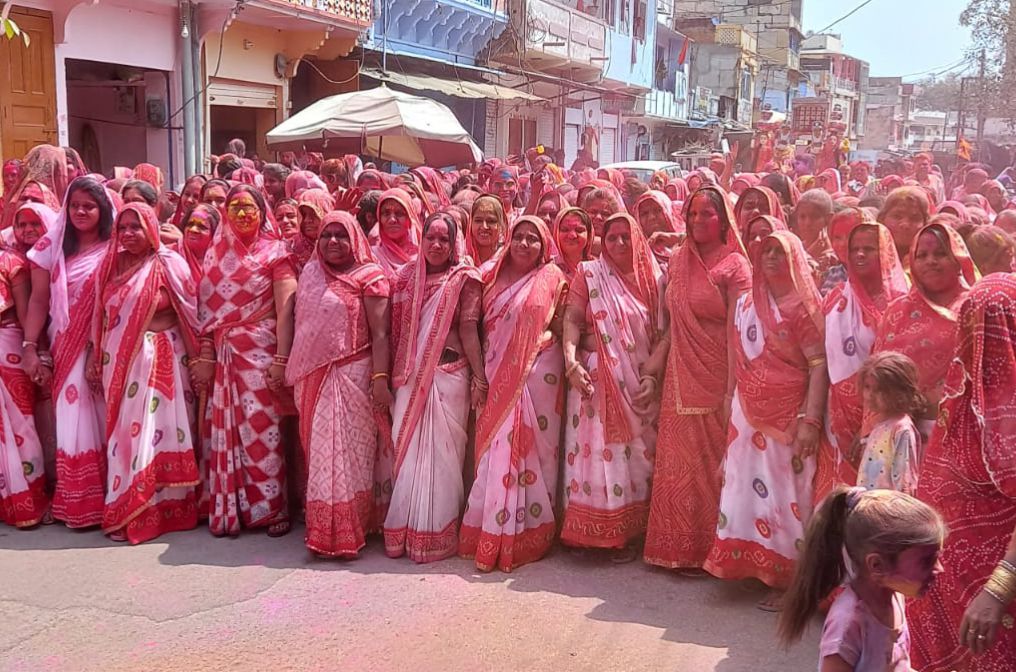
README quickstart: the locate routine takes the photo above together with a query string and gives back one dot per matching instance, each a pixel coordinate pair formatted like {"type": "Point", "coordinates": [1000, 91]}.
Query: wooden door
{"type": "Point", "coordinates": [27, 86]}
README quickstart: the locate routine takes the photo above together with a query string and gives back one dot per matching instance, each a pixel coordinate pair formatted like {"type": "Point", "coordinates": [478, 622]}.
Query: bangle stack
{"type": "Point", "coordinates": [812, 422]}
{"type": "Point", "coordinates": [201, 360]}
{"type": "Point", "coordinates": [280, 359]}
{"type": "Point", "coordinates": [1002, 583]}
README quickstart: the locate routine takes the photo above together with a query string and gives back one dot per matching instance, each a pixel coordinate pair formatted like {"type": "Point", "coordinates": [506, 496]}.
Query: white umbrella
{"type": "Point", "coordinates": [382, 123]}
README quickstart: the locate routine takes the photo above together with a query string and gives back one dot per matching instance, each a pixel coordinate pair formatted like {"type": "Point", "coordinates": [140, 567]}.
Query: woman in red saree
{"type": "Point", "coordinates": [706, 276]}
{"type": "Point", "coordinates": [398, 227]}
{"type": "Point", "coordinates": [246, 323]}
{"type": "Point", "coordinates": [853, 311]}
{"type": "Point", "coordinates": [23, 499]}
{"type": "Point", "coordinates": [312, 207]}
{"type": "Point", "coordinates": [922, 324]}
{"type": "Point", "coordinates": [146, 328]}
{"type": "Point", "coordinates": [756, 201]}
{"type": "Point", "coordinates": [969, 476]}
{"type": "Point", "coordinates": [44, 169]}
{"type": "Point", "coordinates": [611, 330]}
{"type": "Point", "coordinates": [65, 262]}
{"type": "Point", "coordinates": [573, 236]}
{"type": "Point", "coordinates": [488, 228]}
{"type": "Point", "coordinates": [905, 212]}
{"type": "Point", "coordinates": [438, 373]}
{"type": "Point", "coordinates": [657, 214]}
{"type": "Point", "coordinates": [339, 367]}
{"type": "Point", "coordinates": [776, 424]}
{"type": "Point", "coordinates": [509, 517]}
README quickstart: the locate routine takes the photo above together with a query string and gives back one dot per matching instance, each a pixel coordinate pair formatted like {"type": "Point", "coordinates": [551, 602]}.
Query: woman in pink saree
{"type": "Point", "coordinates": [573, 235]}
{"type": "Point", "coordinates": [438, 373]}
{"type": "Point", "coordinates": [657, 214]}
{"type": "Point", "coordinates": [611, 439]}
{"type": "Point", "coordinates": [23, 499]}
{"type": "Point", "coordinates": [488, 228]}
{"type": "Point", "coordinates": [64, 266]}
{"type": "Point", "coordinates": [146, 329]}
{"type": "Point", "coordinates": [339, 367]}
{"type": "Point", "coordinates": [313, 205]}
{"type": "Point", "coordinates": [853, 312]}
{"type": "Point", "coordinates": [776, 423]}
{"type": "Point", "coordinates": [398, 227]}
{"type": "Point", "coordinates": [246, 321]}
{"type": "Point", "coordinates": [509, 517]}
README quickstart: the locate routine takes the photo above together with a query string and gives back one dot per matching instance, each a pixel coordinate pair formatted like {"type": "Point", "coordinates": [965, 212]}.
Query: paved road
{"type": "Point", "coordinates": [74, 601]}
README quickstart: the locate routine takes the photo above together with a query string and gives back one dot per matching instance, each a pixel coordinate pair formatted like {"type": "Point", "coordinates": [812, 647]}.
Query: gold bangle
{"type": "Point", "coordinates": [378, 376]}
{"type": "Point", "coordinates": [1002, 584]}
{"type": "Point", "coordinates": [816, 361]}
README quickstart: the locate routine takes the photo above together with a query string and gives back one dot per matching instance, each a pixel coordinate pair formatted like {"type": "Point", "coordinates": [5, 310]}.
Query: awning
{"type": "Point", "coordinates": [452, 87]}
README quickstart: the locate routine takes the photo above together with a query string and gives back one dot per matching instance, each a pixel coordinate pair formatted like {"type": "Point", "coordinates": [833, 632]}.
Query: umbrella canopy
{"type": "Point", "coordinates": [382, 123]}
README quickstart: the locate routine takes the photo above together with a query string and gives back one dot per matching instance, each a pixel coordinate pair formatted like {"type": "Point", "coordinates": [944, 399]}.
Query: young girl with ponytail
{"type": "Point", "coordinates": [892, 541]}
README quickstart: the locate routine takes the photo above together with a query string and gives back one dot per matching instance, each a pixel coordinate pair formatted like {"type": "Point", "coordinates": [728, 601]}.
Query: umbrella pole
{"type": "Point", "coordinates": [381, 148]}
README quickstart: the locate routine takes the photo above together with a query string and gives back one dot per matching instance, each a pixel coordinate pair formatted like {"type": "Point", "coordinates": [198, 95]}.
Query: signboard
{"type": "Point", "coordinates": [808, 114]}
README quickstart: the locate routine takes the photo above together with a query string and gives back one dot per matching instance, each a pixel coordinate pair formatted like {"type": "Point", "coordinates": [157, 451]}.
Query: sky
{"type": "Point", "coordinates": [896, 37]}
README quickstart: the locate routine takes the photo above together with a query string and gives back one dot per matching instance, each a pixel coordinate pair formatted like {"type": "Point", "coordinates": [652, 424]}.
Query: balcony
{"type": "Point", "coordinates": [359, 12]}
{"type": "Point", "coordinates": [838, 85]}
{"type": "Point", "coordinates": [664, 105]}
{"type": "Point", "coordinates": [445, 30]}
{"type": "Point", "coordinates": [554, 38]}
{"type": "Point", "coordinates": [736, 36]}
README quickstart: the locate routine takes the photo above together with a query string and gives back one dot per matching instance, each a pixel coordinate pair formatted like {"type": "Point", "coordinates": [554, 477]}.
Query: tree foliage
{"type": "Point", "coordinates": [992, 25]}
{"type": "Point", "coordinates": [941, 94]}
{"type": "Point", "coordinates": [8, 28]}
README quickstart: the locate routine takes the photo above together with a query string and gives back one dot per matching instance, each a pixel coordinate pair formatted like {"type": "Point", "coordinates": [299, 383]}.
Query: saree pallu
{"type": "Point", "coordinates": [768, 489]}
{"type": "Point", "coordinates": [692, 433]}
{"type": "Point", "coordinates": [509, 516]}
{"type": "Point", "coordinates": [23, 499]}
{"type": "Point", "coordinates": [609, 447]}
{"type": "Point", "coordinates": [247, 471]}
{"type": "Point", "coordinates": [339, 436]}
{"type": "Point", "coordinates": [848, 343]}
{"type": "Point", "coordinates": [431, 415]}
{"type": "Point", "coordinates": [969, 477]}
{"type": "Point", "coordinates": [79, 498]}
{"type": "Point", "coordinates": [152, 467]}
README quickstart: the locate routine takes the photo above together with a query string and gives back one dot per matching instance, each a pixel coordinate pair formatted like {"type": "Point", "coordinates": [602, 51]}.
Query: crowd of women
{"type": "Point", "coordinates": [477, 363]}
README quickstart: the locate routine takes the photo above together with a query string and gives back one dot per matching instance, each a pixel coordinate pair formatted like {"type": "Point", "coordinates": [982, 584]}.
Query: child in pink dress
{"type": "Point", "coordinates": [893, 542]}
{"type": "Point", "coordinates": [892, 448]}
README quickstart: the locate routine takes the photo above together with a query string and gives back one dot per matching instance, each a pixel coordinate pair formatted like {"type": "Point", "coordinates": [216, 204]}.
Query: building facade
{"type": "Point", "coordinates": [839, 78]}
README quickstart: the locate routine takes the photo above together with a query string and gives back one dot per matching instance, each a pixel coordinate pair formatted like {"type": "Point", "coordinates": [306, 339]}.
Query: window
{"type": "Point", "coordinates": [521, 135]}
{"type": "Point", "coordinates": [641, 9]}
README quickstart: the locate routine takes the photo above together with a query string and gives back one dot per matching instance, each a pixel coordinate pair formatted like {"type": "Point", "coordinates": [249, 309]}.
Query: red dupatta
{"type": "Point", "coordinates": [772, 372]}
{"type": "Point", "coordinates": [533, 308]}
{"type": "Point", "coordinates": [434, 183]}
{"type": "Point", "coordinates": [772, 202]}
{"type": "Point", "coordinates": [126, 305]}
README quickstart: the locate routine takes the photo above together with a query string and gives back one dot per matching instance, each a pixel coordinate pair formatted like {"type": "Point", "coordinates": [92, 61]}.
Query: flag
{"type": "Point", "coordinates": [683, 55]}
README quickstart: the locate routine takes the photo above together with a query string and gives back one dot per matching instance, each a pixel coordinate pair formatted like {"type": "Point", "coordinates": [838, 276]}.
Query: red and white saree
{"type": "Point", "coordinates": [79, 498]}
{"type": "Point", "coordinates": [851, 317]}
{"type": "Point", "coordinates": [237, 309]}
{"type": "Point", "coordinates": [509, 517]}
{"type": "Point", "coordinates": [609, 446]}
{"type": "Point", "coordinates": [152, 471]}
{"type": "Point", "coordinates": [431, 413]}
{"type": "Point", "coordinates": [23, 498]}
{"type": "Point", "coordinates": [767, 488]}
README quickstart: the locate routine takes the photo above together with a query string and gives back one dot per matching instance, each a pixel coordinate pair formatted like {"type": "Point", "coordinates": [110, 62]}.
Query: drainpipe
{"type": "Point", "coordinates": [199, 95]}
{"type": "Point", "coordinates": [187, 84]}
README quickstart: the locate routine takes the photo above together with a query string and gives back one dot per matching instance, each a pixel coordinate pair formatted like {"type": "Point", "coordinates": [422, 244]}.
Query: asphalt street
{"type": "Point", "coordinates": [76, 601]}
